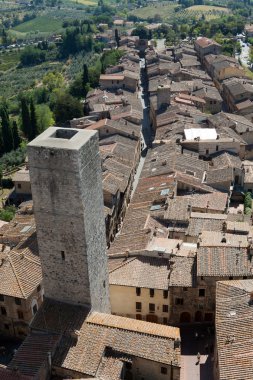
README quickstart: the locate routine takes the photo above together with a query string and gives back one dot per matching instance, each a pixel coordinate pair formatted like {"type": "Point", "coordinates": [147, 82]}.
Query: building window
{"type": "Point", "coordinates": [6, 326]}
{"type": "Point", "coordinates": [245, 277]}
{"type": "Point", "coordinates": [63, 255]}
{"type": "Point", "coordinates": [165, 294]}
{"type": "Point", "coordinates": [165, 321]}
{"type": "Point", "coordinates": [38, 288]}
{"type": "Point", "coordinates": [138, 306]}
{"type": "Point", "coordinates": [151, 292]}
{"type": "Point", "coordinates": [35, 309]}
{"type": "Point", "coordinates": [1, 298]}
{"type": "Point", "coordinates": [20, 314]}
{"type": "Point", "coordinates": [138, 291]}
{"type": "Point", "coordinates": [151, 307]}
{"type": "Point", "coordinates": [185, 289]}
{"type": "Point", "coordinates": [165, 308]}
{"type": "Point", "coordinates": [17, 301]}
{"type": "Point", "coordinates": [231, 278]}
{"type": "Point", "coordinates": [217, 148]}
{"type": "Point", "coordinates": [128, 365]}
{"type": "Point", "coordinates": [179, 301]}
{"type": "Point", "coordinates": [202, 278]}
{"type": "Point", "coordinates": [139, 317]}
{"type": "Point", "coordinates": [19, 185]}
{"type": "Point", "coordinates": [3, 311]}
{"type": "Point", "coordinates": [164, 370]}
{"type": "Point", "coordinates": [202, 292]}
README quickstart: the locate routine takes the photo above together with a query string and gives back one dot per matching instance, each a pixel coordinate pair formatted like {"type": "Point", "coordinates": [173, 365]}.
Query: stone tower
{"type": "Point", "coordinates": [66, 182]}
{"type": "Point", "coordinates": [163, 96]}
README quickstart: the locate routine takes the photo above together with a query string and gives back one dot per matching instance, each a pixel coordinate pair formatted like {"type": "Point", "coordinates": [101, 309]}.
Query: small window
{"type": "Point", "coordinates": [202, 278]}
{"type": "Point", "coordinates": [185, 289]}
{"type": "Point", "coordinates": [138, 291]}
{"type": "Point", "coordinates": [128, 365]}
{"type": "Point", "coordinates": [138, 306]}
{"type": "Point", "coordinates": [19, 185]}
{"type": "Point", "coordinates": [1, 298]}
{"type": "Point", "coordinates": [179, 301]}
{"type": "Point", "coordinates": [231, 278]}
{"type": "Point", "coordinates": [165, 308]}
{"type": "Point", "coordinates": [139, 317]}
{"type": "Point", "coordinates": [38, 288]}
{"type": "Point", "coordinates": [151, 292]}
{"type": "Point", "coordinates": [20, 314]}
{"type": "Point", "coordinates": [17, 301]}
{"type": "Point", "coordinates": [165, 294]}
{"type": "Point", "coordinates": [3, 311]}
{"type": "Point", "coordinates": [151, 307]}
{"type": "Point", "coordinates": [165, 321]}
{"type": "Point", "coordinates": [217, 148]}
{"type": "Point", "coordinates": [202, 292]}
{"type": "Point", "coordinates": [7, 327]}
{"type": "Point", "coordinates": [164, 370]}
{"type": "Point", "coordinates": [63, 255]}
{"type": "Point", "coordinates": [245, 277]}
{"type": "Point", "coordinates": [35, 309]}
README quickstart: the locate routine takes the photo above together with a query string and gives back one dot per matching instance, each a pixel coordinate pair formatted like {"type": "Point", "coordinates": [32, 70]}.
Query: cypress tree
{"type": "Point", "coordinates": [117, 37]}
{"type": "Point", "coordinates": [34, 124]}
{"type": "Point", "coordinates": [6, 130]}
{"type": "Point", "coordinates": [15, 134]}
{"type": "Point", "coordinates": [85, 75]}
{"type": "Point", "coordinates": [25, 116]}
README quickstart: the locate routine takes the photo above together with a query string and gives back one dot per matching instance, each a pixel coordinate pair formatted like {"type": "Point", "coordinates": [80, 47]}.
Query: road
{"type": "Point", "coordinates": [146, 132]}
{"type": "Point", "coordinates": [244, 56]}
{"type": "Point", "coordinates": [190, 368]}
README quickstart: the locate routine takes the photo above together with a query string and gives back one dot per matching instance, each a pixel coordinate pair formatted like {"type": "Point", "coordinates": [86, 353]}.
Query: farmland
{"type": "Point", "coordinates": [165, 10]}
{"type": "Point", "coordinates": [9, 60]}
{"type": "Point", "coordinates": [198, 11]}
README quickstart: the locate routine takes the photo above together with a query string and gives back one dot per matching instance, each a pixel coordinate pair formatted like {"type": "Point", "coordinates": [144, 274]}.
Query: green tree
{"type": "Point", "coordinates": [32, 56]}
{"type": "Point", "coordinates": [34, 125]}
{"type": "Point", "coordinates": [66, 107]}
{"type": "Point", "coordinates": [44, 117]}
{"type": "Point", "coordinates": [15, 134]}
{"type": "Point", "coordinates": [53, 80]}
{"type": "Point", "coordinates": [25, 117]}
{"type": "Point", "coordinates": [85, 75]}
{"type": "Point", "coordinates": [6, 129]}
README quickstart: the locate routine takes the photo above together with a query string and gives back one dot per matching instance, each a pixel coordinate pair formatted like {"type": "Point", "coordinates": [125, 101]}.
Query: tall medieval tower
{"type": "Point", "coordinates": [66, 183]}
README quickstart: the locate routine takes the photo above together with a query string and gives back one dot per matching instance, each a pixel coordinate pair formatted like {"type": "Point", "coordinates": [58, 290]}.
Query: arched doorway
{"type": "Point", "coordinates": [185, 317]}
{"type": "Point", "coordinates": [198, 316]}
{"type": "Point", "coordinates": [208, 317]}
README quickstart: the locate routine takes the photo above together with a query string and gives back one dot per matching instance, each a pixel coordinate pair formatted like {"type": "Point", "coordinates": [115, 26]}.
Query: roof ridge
{"type": "Point", "coordinates": [122, 264]}
{"type": "Point", "coordinates": [18, 281]}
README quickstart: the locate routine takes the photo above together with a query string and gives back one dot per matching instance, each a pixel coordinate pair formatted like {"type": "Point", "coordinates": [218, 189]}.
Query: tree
{"type": "Point", "coordinates": [34, 125]}
{"type": "Point", "coordinates": [140, 31]}
{"type": "Point", "coordinates": [44, 117]}
{"type": "Point", "coordinates": [15, 134]}
{"type": "Point", "coordinates": [66, 107]}
{"type": "Point", "coordinates": [25, 117]}
{"type": "Point", "coordinates": [32, 56]}
{"type": "Point", "coordinates": [6, 130]}
{"type": "Point", "coordinates": [53, 80]}
{"type": "Point", "coordinates": [117, 37]}
{"type": "Point", "coordinates": [85, 75]}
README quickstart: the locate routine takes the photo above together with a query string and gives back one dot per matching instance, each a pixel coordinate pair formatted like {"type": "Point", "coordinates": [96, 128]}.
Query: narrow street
{"type": "Point", "coordinates": [191, 346]}
{"type": "Point", "coordinates": [146, 128]}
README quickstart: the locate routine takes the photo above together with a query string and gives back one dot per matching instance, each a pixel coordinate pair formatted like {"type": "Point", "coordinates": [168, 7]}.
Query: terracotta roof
{"type": "Point", "coordinates": [111, 77]}
{"type": "Point", "coordinates": [183, 271]}
{"type": "Point", "coordinates": [21, 176]}
{"type": "Point", "coordinates": [205, 42]}
{"type": "Point", "coordinates": [205, 222]}
{"type": "Point", "coordinates": [20, 272]}
{"type": "Point", "coordinates": [223, 262]}
{"type": "Point", "coordinates": [142, 272]}
{"type": "Point", "coordinates": [234, 329]}
{"type": "Point", "coordinates": [32, 355]}
{"type": "Point", "coordinates": [221, 239]}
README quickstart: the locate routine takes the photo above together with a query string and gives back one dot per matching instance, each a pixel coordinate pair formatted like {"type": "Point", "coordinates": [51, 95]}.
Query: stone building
{"type": "Point", "coordinates": [78, 339]}
{"type": "Point", "coordinates": [70, 241]}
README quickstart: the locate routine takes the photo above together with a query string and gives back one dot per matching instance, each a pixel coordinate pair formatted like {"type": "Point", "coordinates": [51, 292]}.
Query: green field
{"type": "Point", "coordinates": [197, 11]}
{"type": "Point", "coordinates": [40, 24]}
{"type": "Point", "coordinates": [9, 60]}
{"type": "Point", "coordinates": [164, 10]}
{"type": "Point", "coordinates": [85, 2]}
